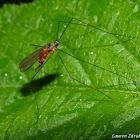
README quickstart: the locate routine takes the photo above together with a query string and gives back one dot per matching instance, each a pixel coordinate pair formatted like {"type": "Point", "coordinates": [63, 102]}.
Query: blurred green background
{"type": "Point", "coordinates": [68, 109]}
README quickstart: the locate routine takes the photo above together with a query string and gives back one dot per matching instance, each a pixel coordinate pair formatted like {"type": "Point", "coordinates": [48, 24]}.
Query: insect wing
{"type": "Point", "coordinates": [30, 60]}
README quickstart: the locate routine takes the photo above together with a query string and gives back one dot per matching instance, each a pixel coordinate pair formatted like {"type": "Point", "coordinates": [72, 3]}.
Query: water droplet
{"type": "Point", "coordinates": [20, 77]}
{"type": "Point", "coordinates": [57, 7]}
{"type": "Point", "coordinates": [91, 53]}
{"type": "Point", "coordinates": [95, 18]}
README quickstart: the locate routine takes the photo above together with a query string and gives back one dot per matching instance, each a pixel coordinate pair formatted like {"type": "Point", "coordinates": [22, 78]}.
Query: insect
{"type": "Point", "coordinates": [40, 54]}
{"type": "Point", "coordinates": [43, 53]}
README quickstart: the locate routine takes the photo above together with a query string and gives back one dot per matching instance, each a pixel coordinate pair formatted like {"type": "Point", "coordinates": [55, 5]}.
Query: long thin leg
{"type": "Point", "coordinates": [34, 92]}
{"type": "Point", "coordinates": [92, 46]}
{"type": "Point", "coordinates": [97, 66]}
{"type": "Point", "coordinates": [82, 82]}
{"type": "Point", "coordinates": [95, 27]}
{"type": "Point", "coordinates": [66, 27]}
{"type": "Point", "coordinates": [86, 24]}
{"type": "Point", "coordinates": [73, 29]}
{"type": "Point", "coordinates": [77, 37]}
{"type": "Point", "coordinates": [37, 117]}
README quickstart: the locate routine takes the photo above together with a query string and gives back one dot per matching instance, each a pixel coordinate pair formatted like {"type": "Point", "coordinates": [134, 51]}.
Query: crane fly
{"type": "Point", "coordinates": [40, 54]}
{"type": "Point", "coordinates": [43, 53]}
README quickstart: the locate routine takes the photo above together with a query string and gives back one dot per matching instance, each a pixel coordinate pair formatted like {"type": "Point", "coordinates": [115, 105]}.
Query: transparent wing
{"type": "Point", "coordinates": [31, 59]}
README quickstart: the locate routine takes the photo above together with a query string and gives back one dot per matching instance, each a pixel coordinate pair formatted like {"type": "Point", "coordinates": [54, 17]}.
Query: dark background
{"type": "Point", "coordinates": [18, 2]}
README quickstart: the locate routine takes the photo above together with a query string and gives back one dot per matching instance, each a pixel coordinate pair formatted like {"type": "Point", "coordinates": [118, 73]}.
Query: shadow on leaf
{"type": "Point", "coordinates": [37, 85]}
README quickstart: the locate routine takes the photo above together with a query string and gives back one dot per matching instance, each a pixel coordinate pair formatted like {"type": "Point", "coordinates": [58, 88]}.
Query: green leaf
{"type": "Point", "coordinates": [67, 108]}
